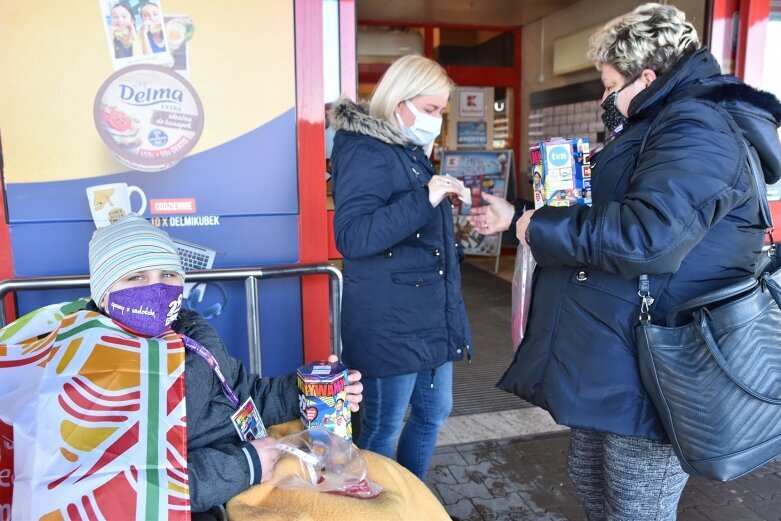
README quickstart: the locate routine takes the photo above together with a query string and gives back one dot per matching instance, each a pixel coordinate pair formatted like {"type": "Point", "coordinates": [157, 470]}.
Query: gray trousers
{"type": "Point", "coordinates": [625, 478]}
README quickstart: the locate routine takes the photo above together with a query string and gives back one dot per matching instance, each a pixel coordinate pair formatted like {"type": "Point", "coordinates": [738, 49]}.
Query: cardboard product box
{"type": "Point", "coordinates": [323, 397]}
{"type": "Point", "coordinates": [560, 171]}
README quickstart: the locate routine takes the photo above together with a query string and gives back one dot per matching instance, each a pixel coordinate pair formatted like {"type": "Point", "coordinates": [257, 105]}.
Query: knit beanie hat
{"type": "Point", "coordinates": [124, 247]}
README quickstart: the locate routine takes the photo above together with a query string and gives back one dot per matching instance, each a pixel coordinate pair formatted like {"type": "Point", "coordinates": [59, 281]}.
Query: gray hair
{"type": "Point", "coordinates": [408, 77]}
{"type": "Point", "coordinates": [653, 36]}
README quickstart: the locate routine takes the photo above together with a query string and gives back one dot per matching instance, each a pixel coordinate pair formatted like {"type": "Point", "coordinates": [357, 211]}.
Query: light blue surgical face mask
{"type": "Point", "coordinates": [424, 129]}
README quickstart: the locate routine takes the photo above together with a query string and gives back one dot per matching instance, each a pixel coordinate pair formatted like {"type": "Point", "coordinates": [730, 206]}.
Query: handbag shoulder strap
{"type": "Point", "coordinates": [758, 179]}
{"type": "Point", "coordinates": [754, 166]}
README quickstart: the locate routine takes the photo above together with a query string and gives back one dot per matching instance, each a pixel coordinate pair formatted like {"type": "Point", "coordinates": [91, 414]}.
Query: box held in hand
{"type": "Point", "coordinates": [560, 172]}
{"type": "Point", "coordinates": [323, 397]}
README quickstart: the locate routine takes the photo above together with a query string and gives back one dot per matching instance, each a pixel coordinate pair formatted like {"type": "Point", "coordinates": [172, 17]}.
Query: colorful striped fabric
{"type": "Point", "coordinates": [98, 418]}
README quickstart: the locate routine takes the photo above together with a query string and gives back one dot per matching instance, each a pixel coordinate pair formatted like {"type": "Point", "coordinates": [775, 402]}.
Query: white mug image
{"type": "Point", "coordinates": [111, 202]}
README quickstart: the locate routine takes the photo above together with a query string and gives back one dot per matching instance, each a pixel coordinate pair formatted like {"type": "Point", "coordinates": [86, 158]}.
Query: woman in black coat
{"type": "Point", "coordinates": [673, 197]}
{"type": "Point", "coordinates": [403, 318]}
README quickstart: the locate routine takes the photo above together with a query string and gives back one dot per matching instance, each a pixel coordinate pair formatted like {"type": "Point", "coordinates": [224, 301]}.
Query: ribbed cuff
{"type": "Point", "coordinates": [255, 470]}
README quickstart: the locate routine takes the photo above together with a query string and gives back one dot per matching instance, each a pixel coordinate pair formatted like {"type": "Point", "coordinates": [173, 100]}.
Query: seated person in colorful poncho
{"type": "Point", "coordinates": [133, 263]}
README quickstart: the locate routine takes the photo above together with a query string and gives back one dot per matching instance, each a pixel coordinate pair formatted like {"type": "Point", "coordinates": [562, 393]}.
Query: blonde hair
{"type": "Point", "coordinates": [653, 36]}
{"type": "Point", "coordinates": [407, 78]}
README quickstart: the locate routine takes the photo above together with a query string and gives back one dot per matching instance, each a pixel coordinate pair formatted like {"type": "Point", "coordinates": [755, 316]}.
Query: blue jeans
{"type": "Point", "coordinates": [385, 402]}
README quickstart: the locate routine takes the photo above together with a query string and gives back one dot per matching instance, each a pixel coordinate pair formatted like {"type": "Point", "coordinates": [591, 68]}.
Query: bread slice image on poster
{"type": "Point", "coordinates": [121, 127]}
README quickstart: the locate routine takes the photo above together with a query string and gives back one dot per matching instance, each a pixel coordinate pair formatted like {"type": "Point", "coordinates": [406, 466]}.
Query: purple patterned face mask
{"type": "Point", "coordinates": [148, 310]}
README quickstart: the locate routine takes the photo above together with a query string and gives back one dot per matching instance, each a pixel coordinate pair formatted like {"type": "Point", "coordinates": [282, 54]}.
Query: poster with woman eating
{"type": "Point", "coordinates": [135, 33]}
{"type": "Point", "coordinates": [481, 171]}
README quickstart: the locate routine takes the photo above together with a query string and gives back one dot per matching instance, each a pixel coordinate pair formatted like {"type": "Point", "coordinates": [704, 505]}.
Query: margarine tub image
{"type": "Point", "coordinates": [149, 117]}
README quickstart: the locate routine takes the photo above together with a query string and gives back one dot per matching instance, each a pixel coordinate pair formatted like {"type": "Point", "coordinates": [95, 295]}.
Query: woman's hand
{"type": "Point", "coordinates": [440, 186]}
{"type": "Point", "coordinates": [522, 225]}
{"type": "Point", "coordinates": [268, 453]}
{"type": "Point", "coordinates": [494, 217]}
{"type": "Point", "coordinates": [354, 386]}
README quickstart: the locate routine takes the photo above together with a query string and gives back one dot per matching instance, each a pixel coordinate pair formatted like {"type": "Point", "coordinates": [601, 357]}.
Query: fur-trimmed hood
{"type": "Point", "coordinates": [698, 75]}
{"type": "Point", "coordinates": [758, 114]}
{"type": "Point", "coordinates": [354, 117]}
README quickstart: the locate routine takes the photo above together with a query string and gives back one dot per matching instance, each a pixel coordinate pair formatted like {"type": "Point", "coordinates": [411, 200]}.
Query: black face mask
{"type": "Point", "coordinates": [612, 117]}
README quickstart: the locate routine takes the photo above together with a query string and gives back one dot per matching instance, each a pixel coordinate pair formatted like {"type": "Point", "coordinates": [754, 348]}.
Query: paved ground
{"type": "Point", "coordinates": [525, 479]}
{"type": "Point", "coordinates": [487, 299]}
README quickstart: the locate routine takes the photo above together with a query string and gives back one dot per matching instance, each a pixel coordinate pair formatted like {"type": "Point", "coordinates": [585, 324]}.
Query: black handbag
{"type": "Point", "coordinates": [716, 379]}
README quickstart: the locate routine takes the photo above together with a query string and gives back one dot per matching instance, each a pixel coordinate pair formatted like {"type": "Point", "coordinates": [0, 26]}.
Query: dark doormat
{"type": "Point", "coordinates": [487, 299]}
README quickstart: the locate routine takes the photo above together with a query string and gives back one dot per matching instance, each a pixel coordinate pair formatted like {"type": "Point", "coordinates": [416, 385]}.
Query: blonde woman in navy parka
{"type": "Point", "coordinates": [403, 318]}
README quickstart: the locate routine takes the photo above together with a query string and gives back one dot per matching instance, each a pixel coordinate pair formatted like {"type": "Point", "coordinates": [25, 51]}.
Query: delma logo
{"type": "Point", "coordinates": [6, 478]}
{"type": "Point", "coordinates": [559, 156]}
{"type": "Point", "coordinates": [149, 95]}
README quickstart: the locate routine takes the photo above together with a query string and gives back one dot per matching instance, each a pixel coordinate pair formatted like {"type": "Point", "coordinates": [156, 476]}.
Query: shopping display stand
{"type": "Point", "coordinates": [481, 171]}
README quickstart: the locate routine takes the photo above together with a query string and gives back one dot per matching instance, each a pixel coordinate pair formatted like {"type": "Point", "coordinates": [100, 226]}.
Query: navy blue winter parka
{"type": "Point", "coordinates": [402, 310]}
{"type": "Point", "coordinates": [684, 210]}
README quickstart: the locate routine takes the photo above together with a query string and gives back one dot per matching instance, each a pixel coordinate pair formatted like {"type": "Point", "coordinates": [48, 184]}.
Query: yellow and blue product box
{"type": "Point", "coordinates": [323, 397]}
{"type": "Point", "coordinates": [560, 171]}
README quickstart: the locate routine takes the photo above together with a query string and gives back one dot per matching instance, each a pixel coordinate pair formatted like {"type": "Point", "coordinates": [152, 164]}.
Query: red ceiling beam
{"type": "Point", "coordinates": [393, 23]}
{"type": "Point", "coordinates": [466, 76]}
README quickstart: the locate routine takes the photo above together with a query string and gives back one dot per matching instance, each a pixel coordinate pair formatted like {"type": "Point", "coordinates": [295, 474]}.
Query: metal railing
{"type": "Point", "coordinates": [252, 295]}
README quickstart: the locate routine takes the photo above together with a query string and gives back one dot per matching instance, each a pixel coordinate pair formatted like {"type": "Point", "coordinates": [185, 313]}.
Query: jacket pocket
{"type": "Point", "coordinates": [418, 278]}
{"type": "Point", "coordinates": [613, 285]}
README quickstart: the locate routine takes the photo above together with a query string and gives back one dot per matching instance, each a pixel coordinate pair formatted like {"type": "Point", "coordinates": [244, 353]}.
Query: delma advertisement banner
{"type": "Point", "coordinates": [182, 111]}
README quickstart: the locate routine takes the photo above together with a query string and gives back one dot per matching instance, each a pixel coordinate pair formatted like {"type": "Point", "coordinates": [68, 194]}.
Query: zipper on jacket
{"type": "Point", "coordinates": [433, 373]}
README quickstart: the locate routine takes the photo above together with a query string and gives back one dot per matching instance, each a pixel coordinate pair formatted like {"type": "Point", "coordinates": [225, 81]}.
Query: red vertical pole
{"type": "Point", "coordinates": [312, 228]}
{"type": "Point", "coordinates": [750, 58]}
